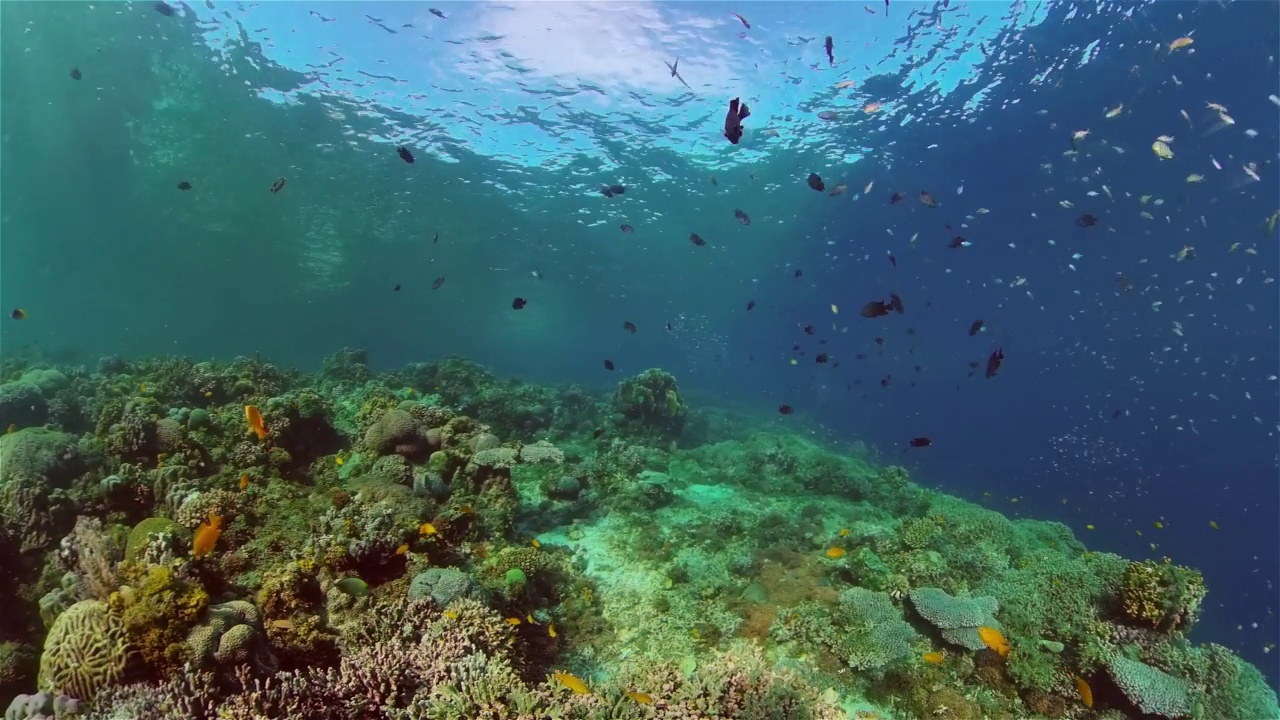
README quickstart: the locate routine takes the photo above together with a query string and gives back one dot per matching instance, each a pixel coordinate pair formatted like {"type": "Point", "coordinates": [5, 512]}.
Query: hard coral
{"type": "Point", "coordinates": [86, 650]}
{"type": "Point", "coordinates": [157, 609]}
{"type": "Point", "coordinates": [1163, 595]}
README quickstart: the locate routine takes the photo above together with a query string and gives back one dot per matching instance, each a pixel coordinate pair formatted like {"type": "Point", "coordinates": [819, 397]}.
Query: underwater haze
{"type": "Point", "coordinates": [1025, 250]}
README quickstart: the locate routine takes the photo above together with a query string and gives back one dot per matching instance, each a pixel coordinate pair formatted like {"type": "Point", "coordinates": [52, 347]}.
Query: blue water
{"type": "Point", "coordinates": [518, 114]}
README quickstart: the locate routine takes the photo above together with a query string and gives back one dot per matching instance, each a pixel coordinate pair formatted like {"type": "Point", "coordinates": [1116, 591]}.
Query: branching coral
{"type": "Point", "coordinates": [1163, 595]}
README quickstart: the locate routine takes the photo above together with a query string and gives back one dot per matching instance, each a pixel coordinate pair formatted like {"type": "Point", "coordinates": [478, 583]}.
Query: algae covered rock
{"type": "Point", "coordinates": [86, 650]}
{"type": "Point", "coordinates": [39, 457]}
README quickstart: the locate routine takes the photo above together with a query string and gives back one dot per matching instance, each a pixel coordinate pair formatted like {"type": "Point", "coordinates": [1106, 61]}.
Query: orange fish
{"type": "Point", "coordinates": [244, 482]}
{"type": "Point", "coordinates": [870, 107]}
{"type": "Point", "coordinates": [207, 535]}
{"type": "Point", "coordinates": [835, 552]}
{"type": "Point", "coordinates": [1086, 693]}
{"type": "Point", "coordinates": [404, 548]}
{"type": "Point", "coordinates": [994, 639]}
{"type": "Point", "coordinates": [426, 529]}
{"type": "Point", "coordinates": [255, 421]}
{"type": "Point", "coordinates": [934, 658]}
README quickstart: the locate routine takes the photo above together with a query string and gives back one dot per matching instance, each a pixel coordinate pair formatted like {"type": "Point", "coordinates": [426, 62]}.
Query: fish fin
{"type": "Point", "coordinates": [743, 112]}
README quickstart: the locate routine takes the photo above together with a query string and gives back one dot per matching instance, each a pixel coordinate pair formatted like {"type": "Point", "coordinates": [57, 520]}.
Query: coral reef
{"type": "Point", "coordinates": [435, 542]}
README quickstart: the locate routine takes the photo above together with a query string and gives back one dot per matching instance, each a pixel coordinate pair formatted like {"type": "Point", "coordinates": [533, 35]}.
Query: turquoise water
{"type": "Point", "coordinates": [1131, 297]}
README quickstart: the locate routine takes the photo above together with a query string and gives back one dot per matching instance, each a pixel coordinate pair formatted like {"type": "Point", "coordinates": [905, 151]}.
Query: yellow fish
{"type": "Point", "coordinates": [551, 630]}
{"type": "Point", "coordinates": [450, 614]}
{"type": "Point", "coordinates": [208, 393]}
{"type": "Point", "coordinates": [639, 697]}
{"type": "Point", "coordinates": [1162, 150]}
{"type": "Point", "coordinates": [513, 621]}
{"type": "Point", "coordinates": [994, 639]}
{"type": "Point", "coordinates": [536, 545]}
{"type": "Point", "coordinates": [835, 309]}
{"type": "Point", "coordinates": [934, 658]}
{"type": "Point", "coordinates": [404, 548]}
{"type": "Point", "coordinates": [338, 459]}
{"type": "Point", "coordinates": [1195, 178]}
{"type": "Point", "coordinates": [573, 682]}
{"type": "Point", "coordinates": [427, 528]}
{"type": "Point", "coordinates": [1180, 43]}
{"type": "Point", "coordinates": [835, 552]}
{"type": "Point", "coordinates": [1213, 524]}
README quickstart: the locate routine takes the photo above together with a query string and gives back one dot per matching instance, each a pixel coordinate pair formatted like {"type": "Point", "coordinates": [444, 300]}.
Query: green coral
{"type": "Point", "coordinates": [1151, 690]}
{"type": "Point", "coordinates": [920, 533]}
{"type": "Point", "coordinates": [87, 649]}
{"type": "Point", "coordinates": [865, 631]}
{"type": "Point", "coordinates": [154, 530]}
{"type": "Point", "coordinates": [958, 618]}
{"type": "Point", "coordinates": [1162, 595]}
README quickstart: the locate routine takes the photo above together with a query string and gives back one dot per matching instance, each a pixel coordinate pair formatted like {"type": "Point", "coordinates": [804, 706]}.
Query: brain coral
{"type": "Point", "coordinates": [86, 650]}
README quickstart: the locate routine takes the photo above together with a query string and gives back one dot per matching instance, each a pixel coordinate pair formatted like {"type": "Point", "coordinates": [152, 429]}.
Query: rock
{"type": "Point", "coordinates": [22, 404]}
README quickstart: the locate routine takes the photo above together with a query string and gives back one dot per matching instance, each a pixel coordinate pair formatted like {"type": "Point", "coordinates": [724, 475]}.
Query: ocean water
{"type": "Point", "coordinates": [1137, 398]}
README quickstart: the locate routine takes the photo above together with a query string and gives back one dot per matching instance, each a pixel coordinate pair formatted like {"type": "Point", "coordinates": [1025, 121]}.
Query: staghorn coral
{"type": "Point", "coordinates": [86, 650]}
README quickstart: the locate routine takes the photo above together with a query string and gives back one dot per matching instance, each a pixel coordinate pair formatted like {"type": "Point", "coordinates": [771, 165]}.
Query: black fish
{"type": "Point", "coordinates": [742, 217]}
{"type": "Point", "coordinates": [1087, 220]}
{"type": "Point", "coordinates": [809, 329]}
{"type": "Point", "coordinates": [696, 239]}
{"type": "Point", "coordinates": [886, 9]}
{"type": "Point", "coordinates": [75, 73]}
{"type": "Point", "coordinates": [919, 442]}
{"type": "Point", "coordinates": [184, 185]}
{"type": "Point", "coordinates": [278, 185]}
{"type": "Point", "coordinates": [927, 199]}
{"type": "Point", "coordinates": [629, 327]}
{"type": "Point", "coordinates": [797, 273]}
{"type": "Point", "coordinates": [893, 260]}
{"type": "Point", "coordinates": [627, 229]}
{"type": "Point", "coordinates": [519, 303]}
{"type": "Point", "coordinates": [437, 13]}
{"type": "Point", "coordinates": [829, 45]}
{"type": "Point", "coordinates": [993, 363]}
{"type": "Point", "coordinates": [895, 198]}
{"type": "Point", "coordinates": [975, 328]}
{"type": "Point", "coordinates": [822, 358]}
{"type": "Point", "coordinates": [751, 304]}
{"type": "Point", "coordinates": [396, 288]}
{"type": "Point", "coordinates": [163, 8]}
{"type": "Point", "coordinates": [738, 112]}
{"type": "Point", "coordinates": [608, 364]}
{"type": "Point", "coordinates": [439, 282]}
{"type": "Point", "coordinates": [786, 409]}
{"type": "Point", "coordinates": [405, 155]}
{"type": "Point", "coordinates": [435, 239]}
{"type": "Point", "coordinates": [611, 190]}
{"type": "Point", "coordinates": [895, 302]}
{"type": "Point", "coordinates": [816, 183]}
